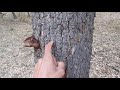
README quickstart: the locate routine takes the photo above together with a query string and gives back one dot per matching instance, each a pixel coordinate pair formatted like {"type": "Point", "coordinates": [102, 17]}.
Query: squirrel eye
{"type": "Point", "coordinates": [31, 39]}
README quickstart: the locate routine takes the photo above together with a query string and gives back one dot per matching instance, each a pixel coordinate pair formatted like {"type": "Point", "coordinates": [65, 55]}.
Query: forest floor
{"type": "Point", "coordinates": [16, 61]}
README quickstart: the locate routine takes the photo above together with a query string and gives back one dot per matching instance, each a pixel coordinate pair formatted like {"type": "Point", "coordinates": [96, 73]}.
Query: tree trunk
{"type": "Point", "coordinates": [72, 33]}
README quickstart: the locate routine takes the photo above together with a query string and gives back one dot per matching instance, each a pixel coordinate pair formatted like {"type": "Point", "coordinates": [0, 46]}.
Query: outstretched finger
{"type": "Point", "coordinates": [48, 49]}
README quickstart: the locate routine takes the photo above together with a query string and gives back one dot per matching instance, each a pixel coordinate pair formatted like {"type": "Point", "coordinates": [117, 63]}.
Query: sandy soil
{"type": "Point", "coordinates": [105, 61]}
{"type": "Point", "coordinates": [16, 61]}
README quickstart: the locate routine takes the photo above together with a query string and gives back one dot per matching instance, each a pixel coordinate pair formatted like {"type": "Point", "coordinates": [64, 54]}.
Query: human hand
{"type": "Point", "coordinates": [48, 67]}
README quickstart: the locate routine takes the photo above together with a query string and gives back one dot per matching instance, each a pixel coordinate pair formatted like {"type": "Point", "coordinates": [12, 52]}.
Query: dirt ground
{"type": "Point", "coordinates": [105, 61]}
{"type": "Point", "coordinates": [16, 61]}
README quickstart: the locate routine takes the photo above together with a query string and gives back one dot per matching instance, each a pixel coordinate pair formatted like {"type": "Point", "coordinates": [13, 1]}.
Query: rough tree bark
{"type": "Point", "coordinates": [72, 33]}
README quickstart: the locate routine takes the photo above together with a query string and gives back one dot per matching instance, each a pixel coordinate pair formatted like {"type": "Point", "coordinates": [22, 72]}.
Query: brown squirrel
{"type": "Point", "coordinates": [31, 42]}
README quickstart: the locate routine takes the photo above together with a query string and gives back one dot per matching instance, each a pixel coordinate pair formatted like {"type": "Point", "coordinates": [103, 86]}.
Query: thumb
{"type": "Point", "coordinates": [61, 65]}
{"type": "Point", "coordinates": [59, 73]}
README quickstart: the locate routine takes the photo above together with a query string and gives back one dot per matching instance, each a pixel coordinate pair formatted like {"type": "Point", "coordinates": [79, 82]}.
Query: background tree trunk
{"type": "Point", "coordinates": [72, 33]}
{"type": "Point", "coordinates": [14, 16]}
